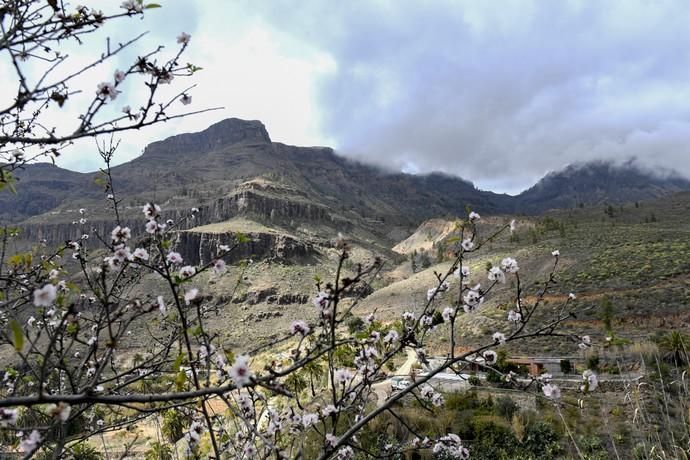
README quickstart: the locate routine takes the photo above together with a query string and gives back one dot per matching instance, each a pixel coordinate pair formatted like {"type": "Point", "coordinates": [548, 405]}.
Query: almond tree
{"type": "Point", "coordinates": [65, 312]}
{"type": "Point", "coordinates": [34, 33]}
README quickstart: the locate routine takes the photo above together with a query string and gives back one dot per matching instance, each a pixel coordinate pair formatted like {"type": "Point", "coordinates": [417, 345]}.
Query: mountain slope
{"type": "Point", "coordinates": [596, 183]}
{"type": "Point", "coordinates": [234, 169]}
{"type": "Point", "coordinates": [41, 188]}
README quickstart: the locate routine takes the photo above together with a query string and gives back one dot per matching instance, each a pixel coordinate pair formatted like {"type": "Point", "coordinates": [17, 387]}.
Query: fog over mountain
{"type": "Point", "coordinates": [498, 93]}
{"type": "Point", "coordinates": [230, 156]}
{"type": "Point", "coordinates": [468, 88]}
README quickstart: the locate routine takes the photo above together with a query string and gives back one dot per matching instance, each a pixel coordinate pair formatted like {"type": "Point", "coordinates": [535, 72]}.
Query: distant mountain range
{"type": "Point", "coordinates": [233, 168]}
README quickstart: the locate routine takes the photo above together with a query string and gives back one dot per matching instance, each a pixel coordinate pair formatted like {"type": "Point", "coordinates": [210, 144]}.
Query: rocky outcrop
{"type": "Point", "coordinates": [198, 248]}
{"type": "Point", "coordinates": [270, 295]}
{"type": "Point", "coordinates": [227, 132]}
{"type": "Point", "coordinates": [250, 202]}
{"type": "Point", "coordinates": [246, 202]}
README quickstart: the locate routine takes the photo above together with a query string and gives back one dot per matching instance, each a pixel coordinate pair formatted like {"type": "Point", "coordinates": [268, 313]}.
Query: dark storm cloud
{"type": "Point", "coordinates": [502, 92]}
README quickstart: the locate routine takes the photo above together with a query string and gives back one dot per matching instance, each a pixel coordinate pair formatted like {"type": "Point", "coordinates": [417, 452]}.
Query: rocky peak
{"type": "Point", "coordinates": [226, 132]}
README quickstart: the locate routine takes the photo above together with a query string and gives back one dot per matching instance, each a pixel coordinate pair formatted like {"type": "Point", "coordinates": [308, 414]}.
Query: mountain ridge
{"type": "Point", "coordinates": [194, 169]}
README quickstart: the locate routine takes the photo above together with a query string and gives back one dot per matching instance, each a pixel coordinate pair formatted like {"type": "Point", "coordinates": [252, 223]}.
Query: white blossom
{"type": "Point", "coordinates": [166, 77]}
{"type": "Point", "coordinates": [499, 337]}
{"type": "Point", "coordinates": [107, 90]}
{"type": "Point", "coordinates": [473, 299]}
{"type": "Point", "coordinates": [591, 381]}
{"type": "Point", "coordinates": [45, 296]}
{"type": "Point", "coordinates": [391, 337]}
{"type": "Point", "coordinates": [490, 356]}
{"type": "Point", "coordinates": [331, 440]}
{"type": "Point", "coordinates": [408, 316]}
{"type": "Point", "coordinates": [309, 419]}
{"type": "Point", "coordinates": [219, 266]}
{"type": "Point", "coordinates": [174, 257]}
{"type": "Point", "coordinates": [119, 76]}
{"type": "Point", "coordinates": [31, 443]}
{"type": "Point", "coordinates": [514, 316]}
{"type": "Point", "coordinates": [183, 38]}
{"type": "Point", "coordinates": [187, 272]}
{"type": "Point", "coordinates": [551, 391]}
{"type": "Point", "coordinates": [120, 234]}
{"type": "Point", "coordinates": [61, 411]}
{"type": "Point", "coordinates": [152, 227]}
{"type": "Point", "coordinates": [436, 291]}
{"type": "Point", "coordinates": [322, 301]}
{"type": "Point", "coordinates": [345, 453]}
{"type": "Point", "coordinates": [8, 417]}
{"type": "Point", "coordinates": [132, 6]}
{"type": "Point", "coordinates": [151, 211]}
{"type": "Point", "coordinates": [462, 273]}
{"type": "Point", "coordinates": [450, 446]}
{"type": "Point", "coordinates": [240, 372]}
{"type": "Point", "coordinates": [190, 295]}
{"type": "Point", "coordinates": [141, 254]}
{"type": "Point", "coordinates": [448, 313]}
{"type": "Point", "coordinates": [496, 274]}
{"type": "Point", "coordinates": [510, 265]}
{"type": "Point", "coordinates": [122, 254]}
{"type": "Point", "coordinates": [342, 376]}
{"type": "Point", "coordinates": [299, 327]}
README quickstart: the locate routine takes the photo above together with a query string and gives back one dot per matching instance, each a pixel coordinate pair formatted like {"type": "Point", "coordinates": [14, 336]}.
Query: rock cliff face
{"type": "Point", "coordinates": [226, 132]}
{"type": "Point", "coordinates": [198, 248]}
{"type": "Point", "coordinates": [247, 201]}
{"type": "Point", "coordinates": [56, 233]}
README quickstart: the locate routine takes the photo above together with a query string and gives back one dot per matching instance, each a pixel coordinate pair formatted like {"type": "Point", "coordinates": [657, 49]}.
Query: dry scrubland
{"type": "Point", "coordinates": [630, 264]}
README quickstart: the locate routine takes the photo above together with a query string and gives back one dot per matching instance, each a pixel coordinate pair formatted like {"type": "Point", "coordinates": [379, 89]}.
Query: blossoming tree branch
{"type": "Point", "coordinates": [66, 312]}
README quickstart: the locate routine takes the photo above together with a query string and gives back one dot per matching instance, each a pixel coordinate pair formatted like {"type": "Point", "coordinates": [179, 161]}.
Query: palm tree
{"type": "Point", "coordinates": [674, 346]}
{"type": "Point", "coordinates": [296, 381]}
{"type": "Point", "coordinates": [316, 371]}
{"type": "Point", "coordinates": [159, 451]}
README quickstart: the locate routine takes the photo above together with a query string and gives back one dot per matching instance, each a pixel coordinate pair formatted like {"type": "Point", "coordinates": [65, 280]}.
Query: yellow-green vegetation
{"type": "Point", "coordinates": [628, 268]}
{"type": "Point", "coordinates": [234, 225]}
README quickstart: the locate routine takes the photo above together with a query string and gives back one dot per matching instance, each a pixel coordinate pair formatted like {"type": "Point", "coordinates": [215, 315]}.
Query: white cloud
{"type": "Point", "coordinates": [498, 93]}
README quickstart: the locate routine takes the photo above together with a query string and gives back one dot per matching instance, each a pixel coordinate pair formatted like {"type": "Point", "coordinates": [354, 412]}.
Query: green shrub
{"type": "Point", "coordinates": [593, 362]}
{"type": "Point", "coordinates": [506, 407]}
{"type": "Point", "coordinates": [85, 451]}
{"type": "Point", "coordinates": [175, 423]}
{"type": "Point", "coordinates": [355, 324]}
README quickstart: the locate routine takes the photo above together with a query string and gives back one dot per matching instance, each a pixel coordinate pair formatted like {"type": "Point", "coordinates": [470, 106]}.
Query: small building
{"type": "Point", "coordinates": [537, 365]}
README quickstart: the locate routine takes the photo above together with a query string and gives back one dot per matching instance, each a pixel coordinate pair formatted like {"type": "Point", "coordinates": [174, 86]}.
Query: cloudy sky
{"type": "Point", "coordinates": [496, 92]}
